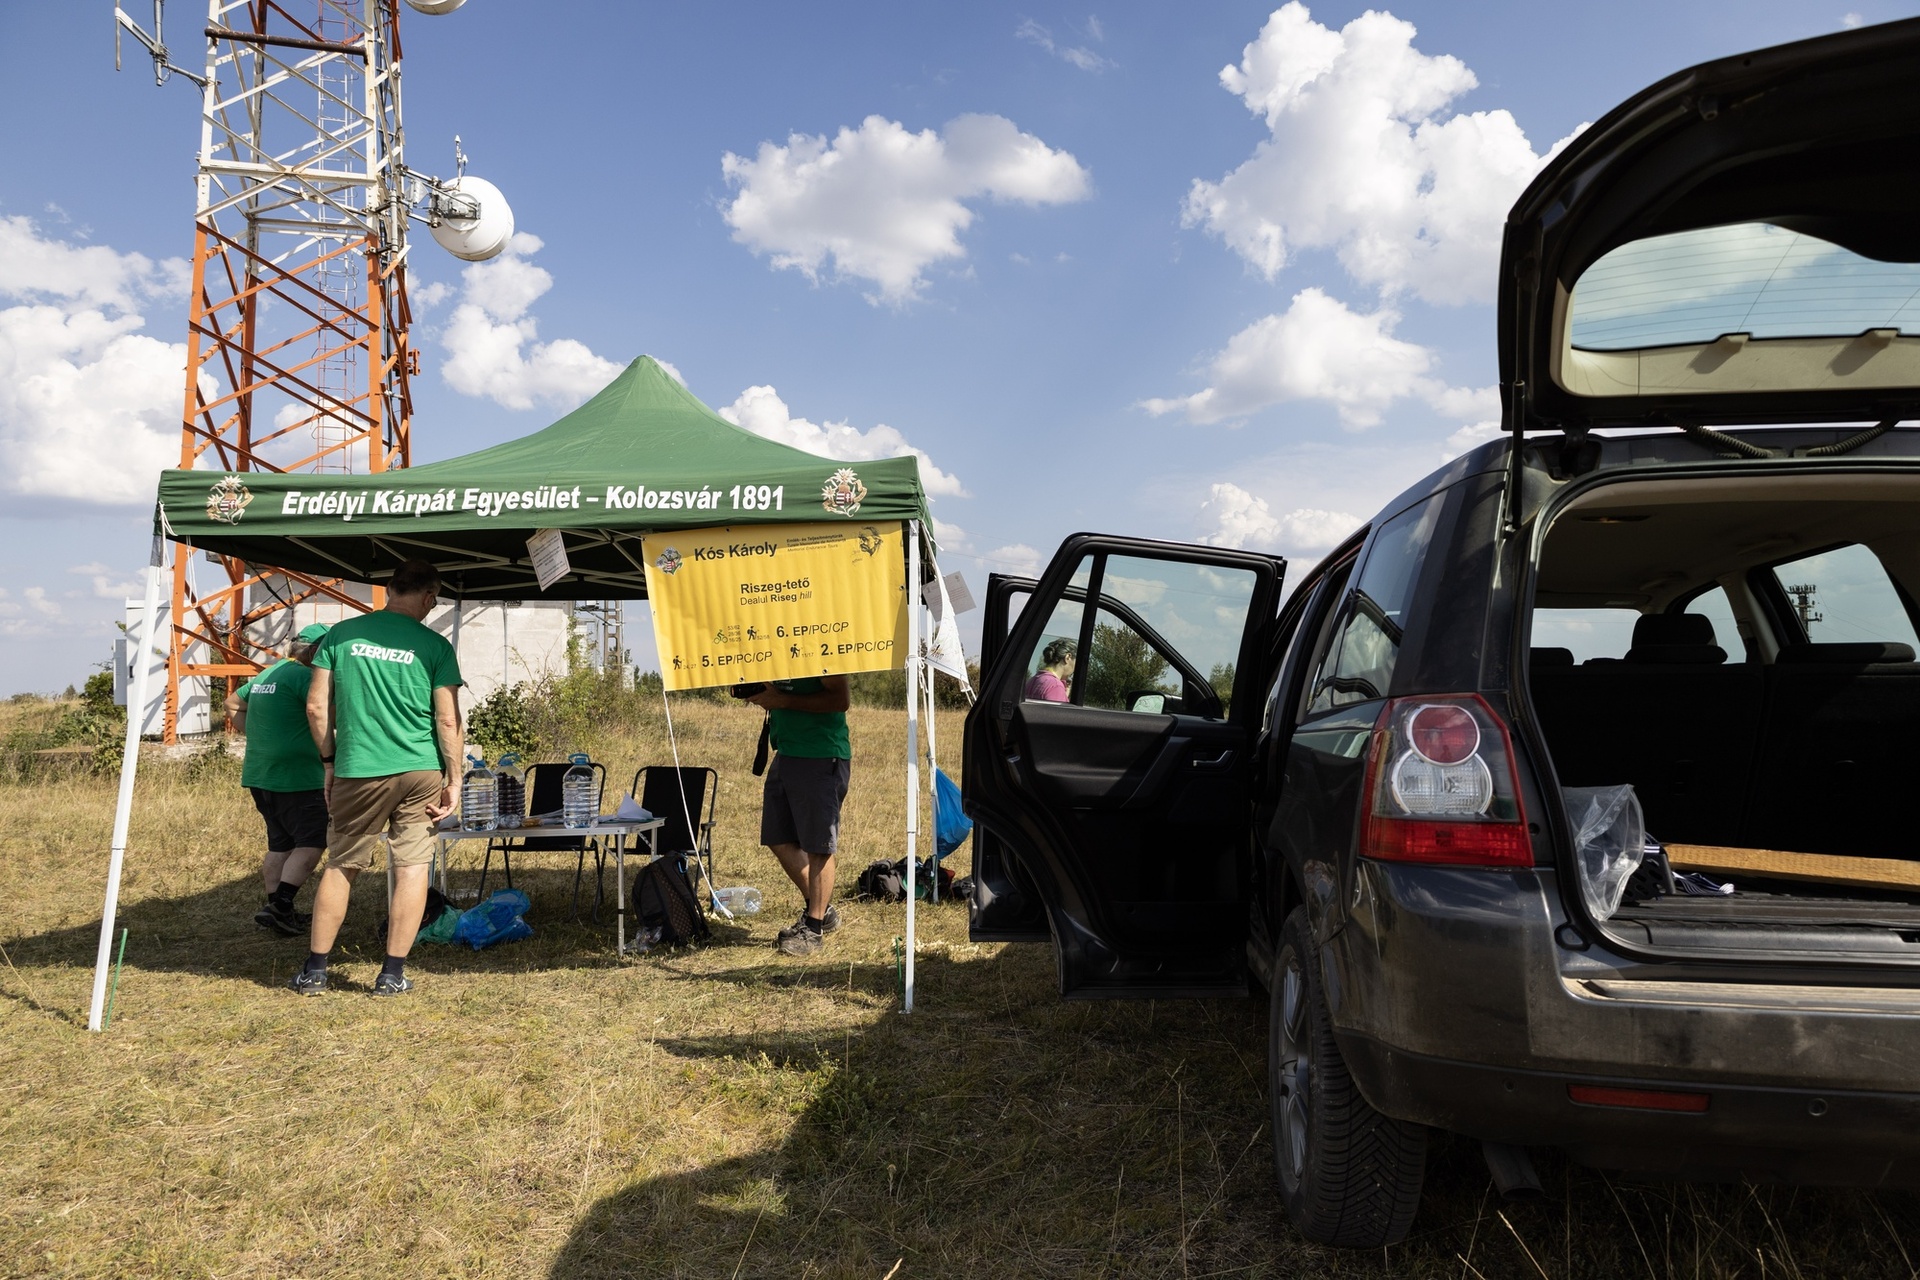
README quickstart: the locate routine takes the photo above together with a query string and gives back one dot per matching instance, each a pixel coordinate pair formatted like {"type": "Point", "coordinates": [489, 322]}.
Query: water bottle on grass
{"type": "Point", "coordinates": [577, 799]}
{"type": "Point", "coordinates": [479, 797]}
{"type": "Point", "coordinates": [740, 899]}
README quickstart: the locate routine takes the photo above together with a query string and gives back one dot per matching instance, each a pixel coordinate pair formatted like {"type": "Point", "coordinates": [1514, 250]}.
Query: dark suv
{"type": "Point", "coordinates": [1372, 797]}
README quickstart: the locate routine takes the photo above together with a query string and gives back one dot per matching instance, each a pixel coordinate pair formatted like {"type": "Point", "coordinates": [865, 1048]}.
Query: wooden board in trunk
{"type": "Point", "coordinates": [1822, 868]}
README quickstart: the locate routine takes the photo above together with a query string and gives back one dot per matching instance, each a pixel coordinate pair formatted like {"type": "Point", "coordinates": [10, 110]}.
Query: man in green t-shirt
{"type": "Point", "coordinates": [283, 772]}
{"type": "Point", "coordinates": [384, 713]}
{"type": "Point", "coordinates": [800, 807]}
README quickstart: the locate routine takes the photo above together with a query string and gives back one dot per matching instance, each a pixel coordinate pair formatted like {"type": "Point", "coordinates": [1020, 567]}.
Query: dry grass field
{"type": "Point", "coordinates": [545, 1109]}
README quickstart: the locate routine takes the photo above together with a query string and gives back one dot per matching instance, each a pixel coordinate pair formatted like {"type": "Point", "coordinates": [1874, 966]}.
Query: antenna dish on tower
{"type": "Point", "coordinates": [434, 7]}
{"type": "Point", "coordinates": [471, 219]}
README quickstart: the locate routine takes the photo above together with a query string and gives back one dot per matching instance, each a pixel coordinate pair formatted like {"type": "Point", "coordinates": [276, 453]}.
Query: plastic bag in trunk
{"type": "Point", "coordinates": [1609, 841]}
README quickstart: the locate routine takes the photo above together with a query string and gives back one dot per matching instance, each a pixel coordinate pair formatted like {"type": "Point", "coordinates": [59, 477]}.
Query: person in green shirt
{"type": "Point", "coordinates": [384, 712]}
{"type": "Point", "coordinates": [800, 807]}
{"type": "Point", "coordinates": [283, 772]}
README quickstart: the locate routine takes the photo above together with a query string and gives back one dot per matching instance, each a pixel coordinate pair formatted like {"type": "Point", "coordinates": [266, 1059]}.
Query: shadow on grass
{"type": "Point", "coordinates": [212, 933]}
{"type": "Point", "coordinates": [999, 1131]}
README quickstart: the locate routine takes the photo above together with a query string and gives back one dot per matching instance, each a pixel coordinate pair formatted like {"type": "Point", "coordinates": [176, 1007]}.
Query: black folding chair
{"type": "Point", "coordinates": [544, 795]}
{"type": "Point", "coordinates": [678, 795]}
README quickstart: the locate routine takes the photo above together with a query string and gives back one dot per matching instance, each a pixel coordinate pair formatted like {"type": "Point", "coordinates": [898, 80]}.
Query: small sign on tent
{"type": "Point", "coordinates": [548, 550]}
{"type": "Point", "coordinates": [777, 602]}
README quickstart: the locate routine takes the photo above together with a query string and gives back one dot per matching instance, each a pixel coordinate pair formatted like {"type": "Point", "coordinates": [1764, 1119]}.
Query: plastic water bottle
{"type": "Point", "coordinates": [577, 801]}
{"type": "Point", "coordinates": [740, 899]}
{"type": "Point", "coordinates": [512, 789]}
{"type": "Point", "coordinates": [479, 797]}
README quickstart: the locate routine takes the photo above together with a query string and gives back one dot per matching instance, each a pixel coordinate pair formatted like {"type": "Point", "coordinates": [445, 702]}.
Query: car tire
{"type": "Point", "coordinates": [1349, 1175]}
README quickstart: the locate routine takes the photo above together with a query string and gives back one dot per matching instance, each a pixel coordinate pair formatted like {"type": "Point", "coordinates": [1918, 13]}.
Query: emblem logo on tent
{"type": "Point", "coordinates": [669, 561]}
{"type": "Point", "coordinates": [227, 500]}
{"type": "Point", "coordinates": [843, 493]}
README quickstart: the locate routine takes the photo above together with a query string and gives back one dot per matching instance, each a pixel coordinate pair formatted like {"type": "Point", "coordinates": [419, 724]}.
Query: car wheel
{"type": "Point", "coordinates": [1350, 1176]}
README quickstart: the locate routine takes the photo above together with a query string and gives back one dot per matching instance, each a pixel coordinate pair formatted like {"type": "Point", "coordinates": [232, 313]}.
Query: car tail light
{"type": "Point", "coordinates": [1441, 786]}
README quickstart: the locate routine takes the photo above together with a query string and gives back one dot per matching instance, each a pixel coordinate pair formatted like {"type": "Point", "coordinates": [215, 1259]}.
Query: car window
{"type": "Point", "coordinates": [1844, 596]}
{"type": "Point", "coordinates": [1749, 278]}
{"type": "Point", "coordinates": [1055, 654]}
{"type": "Point", "coordinates": [1714, 606]}
{"type": "Point", "coordinates": [1359, 664]}
{"type": "Point", "coordinates": [1164, 636]}
{"type": "Point", "coordinates": [1125, 668]}
{"type": "Point", "coordinates": [1588, 633]}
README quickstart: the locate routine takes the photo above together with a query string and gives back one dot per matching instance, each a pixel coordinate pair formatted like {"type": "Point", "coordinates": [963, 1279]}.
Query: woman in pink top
{"type": "Point", "coordinates": [1052, 681]}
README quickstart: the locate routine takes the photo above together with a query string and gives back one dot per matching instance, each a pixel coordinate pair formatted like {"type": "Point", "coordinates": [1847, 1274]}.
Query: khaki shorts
{"type": "Point", "coordinates": [365, 808]}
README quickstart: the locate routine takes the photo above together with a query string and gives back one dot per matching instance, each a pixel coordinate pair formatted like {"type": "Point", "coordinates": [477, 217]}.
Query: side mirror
{"type": "Point", "coordinates": [1152, 704]}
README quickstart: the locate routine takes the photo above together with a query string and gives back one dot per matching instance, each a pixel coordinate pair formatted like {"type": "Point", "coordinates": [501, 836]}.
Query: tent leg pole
{"type": "Point", "coordinates": [129, 765]}
{"type": "Point", "coordinates": [933, 769]}
{"type": "Point", "coordinates": [913, 744]}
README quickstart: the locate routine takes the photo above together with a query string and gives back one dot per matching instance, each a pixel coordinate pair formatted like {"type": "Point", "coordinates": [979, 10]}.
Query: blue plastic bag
{"type": "Point", "coordinates": [498, 919]}
{"type": "Point", "coordinates": [951, 825]}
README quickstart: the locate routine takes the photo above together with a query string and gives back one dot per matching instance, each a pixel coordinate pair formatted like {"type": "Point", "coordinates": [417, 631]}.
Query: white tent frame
{"type": "Point", "coordinates": [129, 766]}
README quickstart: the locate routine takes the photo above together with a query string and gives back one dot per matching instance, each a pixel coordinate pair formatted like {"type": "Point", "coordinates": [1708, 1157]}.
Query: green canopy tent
{"type": "Point", "coordinates": [642, 456]}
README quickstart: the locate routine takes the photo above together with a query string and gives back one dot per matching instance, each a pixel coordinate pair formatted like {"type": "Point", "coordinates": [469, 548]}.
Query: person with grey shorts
{"type": "Point", "coordinates": [800, 807]}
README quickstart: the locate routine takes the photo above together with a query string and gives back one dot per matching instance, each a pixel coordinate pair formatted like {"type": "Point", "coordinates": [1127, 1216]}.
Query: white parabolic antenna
{"type": "Point", "coordinates": [435, 6]}
{"type": "Point", "coordinates": [475, 219]}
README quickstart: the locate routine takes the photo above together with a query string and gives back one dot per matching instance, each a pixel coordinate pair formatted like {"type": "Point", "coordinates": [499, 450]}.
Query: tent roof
{"type": "Point", "coordinates": [643, 456]}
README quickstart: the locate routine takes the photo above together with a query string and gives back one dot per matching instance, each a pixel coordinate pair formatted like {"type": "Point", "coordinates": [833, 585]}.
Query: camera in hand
{"type": "Point", "coordinates": [747, 690]}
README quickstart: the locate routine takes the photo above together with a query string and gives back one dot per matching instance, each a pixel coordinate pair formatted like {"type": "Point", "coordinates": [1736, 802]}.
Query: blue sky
{"type": "Point", "coordinates": [994, 240]}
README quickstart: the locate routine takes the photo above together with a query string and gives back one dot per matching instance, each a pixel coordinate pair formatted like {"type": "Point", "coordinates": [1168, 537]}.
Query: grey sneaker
{"type": "Point", "coordinates": [828, 922]}
{"type": "Point", "coordinates": [305, 983]}
{"type": "Point", "coordinates": [284, 921]}
{"type": "Point", "coordinates": [801, 942]}
{"type": "Point", "coordinates": [384, 985]}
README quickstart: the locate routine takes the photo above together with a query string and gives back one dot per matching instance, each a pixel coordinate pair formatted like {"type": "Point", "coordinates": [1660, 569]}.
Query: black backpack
{"type": "Point", "coordinates": [887, 881]}
{"type": "Point", "coordinates": [664, 899]}
{"type": "Point", "coordinates": [883, 881]}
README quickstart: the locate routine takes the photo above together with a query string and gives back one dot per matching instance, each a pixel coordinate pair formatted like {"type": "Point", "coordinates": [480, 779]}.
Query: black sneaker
{"type": "Point", "coordinates": [284, 921]}
{"type": "Point", "coordinates": [801, 942]}
{"type": "Point", "coordinates": [828, 922]}
{"type": "Point", "coordinates": [308, 983]}
{"type": "Point", "coordinates": [388, 985]}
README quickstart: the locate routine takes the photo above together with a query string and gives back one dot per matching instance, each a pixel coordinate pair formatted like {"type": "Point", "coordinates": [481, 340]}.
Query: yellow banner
{"type": "Point", "coordinates": [777, 601]}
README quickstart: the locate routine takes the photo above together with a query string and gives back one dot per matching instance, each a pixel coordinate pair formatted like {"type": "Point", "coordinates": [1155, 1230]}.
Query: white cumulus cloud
{"type": "Point", "coordinates": [1321, 349]}
{"type": "Point", "coordinates": [882, 204]}
{"type": "Point", "coordinates": [762, 411]}
{"type": "Point", "coordinates": [1366, 158]}
{"type": "Point", "coordinates": [89, 404]}
{"type": "Point", "coordinates": [1245, 520]}
{"type": "Point", "coordinates": [1016, 558]}
{"type": "Point", "coordinates": [491, 341]}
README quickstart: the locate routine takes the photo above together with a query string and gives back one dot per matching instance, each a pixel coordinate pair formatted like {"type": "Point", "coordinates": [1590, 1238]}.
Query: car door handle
{"type": "Point", "coordinates": [1220, 761]}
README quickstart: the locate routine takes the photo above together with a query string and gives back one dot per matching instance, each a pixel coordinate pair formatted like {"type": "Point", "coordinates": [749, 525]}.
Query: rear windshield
{"type": "Point", "coordinates": [1751, 277]}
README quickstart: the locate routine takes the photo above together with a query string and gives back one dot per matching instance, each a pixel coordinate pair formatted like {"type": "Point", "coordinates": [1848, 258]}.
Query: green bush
{"type": "Point", "coordinates": [503, 722]}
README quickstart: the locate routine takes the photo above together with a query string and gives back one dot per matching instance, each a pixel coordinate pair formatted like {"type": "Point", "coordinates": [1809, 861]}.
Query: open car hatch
{"type": "Point", "coordinates": [1738, 243]}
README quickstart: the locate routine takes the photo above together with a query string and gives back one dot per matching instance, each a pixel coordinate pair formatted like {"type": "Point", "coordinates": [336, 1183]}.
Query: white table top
{"type": "Point", "coordinates": [604, 825]}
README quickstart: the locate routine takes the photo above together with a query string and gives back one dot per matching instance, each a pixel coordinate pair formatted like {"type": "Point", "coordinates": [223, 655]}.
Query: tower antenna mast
{"type": "Point", "coordinates": [299, 350]}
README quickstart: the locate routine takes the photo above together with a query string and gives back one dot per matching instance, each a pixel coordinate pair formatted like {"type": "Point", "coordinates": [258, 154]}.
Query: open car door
{"type": "Point", "coordinates": [1006, 906]}
{"type": "Point", "coordinates": [1125, 808]}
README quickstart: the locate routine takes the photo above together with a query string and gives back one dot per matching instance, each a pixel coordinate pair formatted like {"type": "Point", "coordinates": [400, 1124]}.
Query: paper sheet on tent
{"type": "Point", "coordinates": [943, 647]}
{"type": "Point", "coordinates": [777, 602]}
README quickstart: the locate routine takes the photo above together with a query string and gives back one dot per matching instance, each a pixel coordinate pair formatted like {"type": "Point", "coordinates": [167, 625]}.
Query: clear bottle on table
{"type": "Point", "coordinates": [479, 796]}
{"type": "Point", "coordinates": [578, 803]}
{"type": "Point", "coordinates": [512, 789]}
